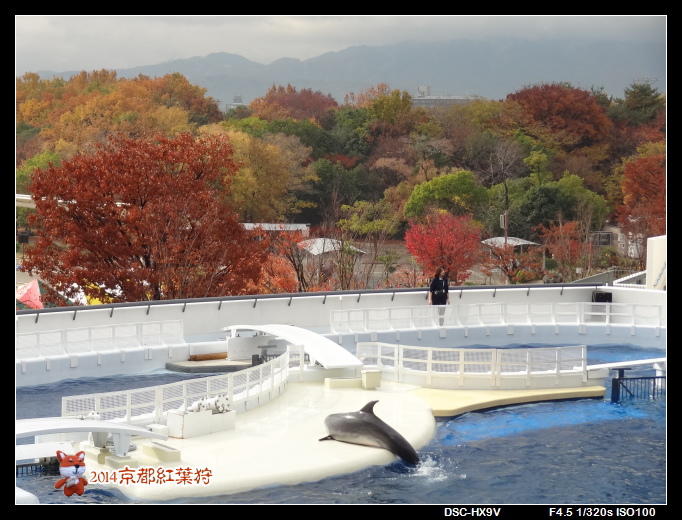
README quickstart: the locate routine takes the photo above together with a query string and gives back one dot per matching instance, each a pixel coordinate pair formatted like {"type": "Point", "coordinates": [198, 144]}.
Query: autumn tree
{"type": "Point", "coordinates": [68, 117]}
{"type": "Point", "coordinates": [392, 113]}
{"type": "Point", "coordinates": [561, 116]}
{"type": "Point", "coordinates": [276, 276]}
{"type": "Point", "coordinates": [309, 276]}
{"type": "Point", "coordinates": [566, 244]}
{"type": "Point", "coordinates": [261, 184]}
{"type": "Point", "coordinates": [643, 212]}
{"type": "Point", "coordinates": [366, 96]}
{"type": "Point", "coordinates": [141, 220]}
{"type": "Point", "coordinates": [513, 264]}
{"type": "Point", "coordinates": [445, 240]}
{"type": "Point", "coordinates": [288, 103]}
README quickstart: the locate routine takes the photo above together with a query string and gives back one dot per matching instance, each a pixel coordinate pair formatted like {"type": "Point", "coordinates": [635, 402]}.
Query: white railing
{"type": "Point", "coordinates": [98, 339]}
{"type": "Point", "coordinates": [245, 390]}
{"type": "Point", "coordinates": [477, 368]}
{"type": "Point", "coordinates": [486, 314]}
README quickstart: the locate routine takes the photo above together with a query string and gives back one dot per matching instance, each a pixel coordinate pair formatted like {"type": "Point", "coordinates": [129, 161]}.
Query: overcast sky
{"type": "Point", "coordinates": [74, 43]}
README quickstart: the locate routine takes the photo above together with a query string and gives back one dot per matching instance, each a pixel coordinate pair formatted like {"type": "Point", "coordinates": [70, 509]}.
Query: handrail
{"type": "Point", "coordinates": [149, 405]}
{"type": "Point", "coordinates": [101, 338]}
{"type": "Point", "coordinates": [486, 314]}
{"type": "Point", "coordinates": [221, 299]}
{"type": "Point", "coordinates": [486, 368]}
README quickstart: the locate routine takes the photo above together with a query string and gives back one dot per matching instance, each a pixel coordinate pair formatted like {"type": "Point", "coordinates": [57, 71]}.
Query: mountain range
{"type": "Point", "coordinates": [490, 69]}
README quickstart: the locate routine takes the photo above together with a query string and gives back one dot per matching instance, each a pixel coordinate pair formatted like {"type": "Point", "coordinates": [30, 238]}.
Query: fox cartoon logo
{"type": "Point", "coordinates": [72, 468]}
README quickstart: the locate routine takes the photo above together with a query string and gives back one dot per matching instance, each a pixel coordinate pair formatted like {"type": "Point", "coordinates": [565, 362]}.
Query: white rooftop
{"type": "Point", "coordinates": [318, 246]}
{"type": "Point", "coordinates": [512, 241]}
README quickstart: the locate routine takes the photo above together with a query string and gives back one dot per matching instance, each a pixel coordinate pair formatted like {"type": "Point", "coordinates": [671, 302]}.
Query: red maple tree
{"type": "Point", "coordinates": [142, 220]}
{"type": "Point", "coordinates": [444, 240]}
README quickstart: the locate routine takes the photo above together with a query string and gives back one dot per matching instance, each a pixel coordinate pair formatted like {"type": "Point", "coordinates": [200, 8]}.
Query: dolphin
{"type": "Point", "coordinates": [365, 428]}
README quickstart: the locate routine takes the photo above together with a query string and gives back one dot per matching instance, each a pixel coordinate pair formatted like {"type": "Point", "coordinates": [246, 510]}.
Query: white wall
{"type": "Point", "coordinates": [209, 317]}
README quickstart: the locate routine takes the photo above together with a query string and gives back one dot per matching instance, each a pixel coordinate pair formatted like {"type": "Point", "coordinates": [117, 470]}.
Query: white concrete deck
{"type": "Point", "coordinates": [278, 443]}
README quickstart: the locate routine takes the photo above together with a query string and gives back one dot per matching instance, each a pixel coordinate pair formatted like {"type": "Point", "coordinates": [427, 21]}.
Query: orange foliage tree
{"type": "Point", "coordinates": [70, 116]}
{"type": "Point", "coordinates": [444, 240]}
{"type": "Point", "coordinates": [309, 275]}
{"type": "Point", "coordinates": [644, 190]}
{"type": "Point", "coordinates": [643, 213]}
{"type": "Point", "coordinates": [564, 242]}
{"type": "Point", "coordinates": [516, 267]}
{"type": "Point", "coordinates": [562, 116]}
{"type": "Point", "coordinates": [141, 220]}
{"type": "Point", "coordinates": [288, 103]}
{"type": "Point", "coordinates": [367, 96]}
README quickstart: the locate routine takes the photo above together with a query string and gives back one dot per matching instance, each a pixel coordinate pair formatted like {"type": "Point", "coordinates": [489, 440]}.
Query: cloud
{"type": "Point", "coordinates": [62, 43]}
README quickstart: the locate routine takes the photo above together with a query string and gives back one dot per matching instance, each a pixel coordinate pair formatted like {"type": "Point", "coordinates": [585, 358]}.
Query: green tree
{"type": "Point", "coordinates": [308, 132]}
{"type": "Point", "coordinates": [23, 180]}
{"type": "Point", "coordinates": [507, 196]}
{"type": "Point", "coordinates": [40, 161]}
{"type": "Point", "coordinates": [392, 113]}
{"type": "Point", "coordinates": [544, 205]}
{"type": "Point", "coordinates": [457, 193]}
{"type": "Point", "coordinates": [337, 186]}
{"type": "Point", "coordinates": [640, 105]}
{"type": "Point", "coordinates": [350, 132]}
{"type": "Point", "coordinates": [372, 223]}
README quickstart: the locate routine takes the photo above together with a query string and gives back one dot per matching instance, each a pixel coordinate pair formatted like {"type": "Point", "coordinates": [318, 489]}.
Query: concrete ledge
{"type": "Point", "coordinates": [98, 455]}
{"type": "Point", "coordinates": [343, 382]}
{"type": "Point", "coordinates": [115, 462]}
{"type": "Point", "coordinates": [448, 403]}
{"type": "Point", "coordinates": [162, 452]}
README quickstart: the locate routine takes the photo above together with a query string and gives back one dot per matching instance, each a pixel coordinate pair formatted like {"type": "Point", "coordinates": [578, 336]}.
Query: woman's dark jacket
{"type": "Point", "coordinates": [439, 291]}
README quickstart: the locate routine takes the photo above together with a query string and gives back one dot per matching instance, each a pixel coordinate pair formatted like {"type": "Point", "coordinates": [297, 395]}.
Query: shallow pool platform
{"type": "Point", "coordinates": [278, 442]}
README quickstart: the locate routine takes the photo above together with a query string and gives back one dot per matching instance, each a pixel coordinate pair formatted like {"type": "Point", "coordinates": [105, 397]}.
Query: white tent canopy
{"type": "Point", "coordinates": [318, 246]}
{"type": "Point", "coordinates": [511, 241]}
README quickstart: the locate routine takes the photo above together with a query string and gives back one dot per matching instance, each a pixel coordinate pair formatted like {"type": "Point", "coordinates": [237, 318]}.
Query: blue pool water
{"type": "Point", "coordinates": [588, 451]}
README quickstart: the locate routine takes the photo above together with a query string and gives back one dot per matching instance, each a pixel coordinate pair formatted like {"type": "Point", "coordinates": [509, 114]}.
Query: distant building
{"type": "Point", "coordinates": [304, 229]}
{"type": "Point", "coordinates": [425, 99]}
{"type": "Point", "coordinates": [236, 102]}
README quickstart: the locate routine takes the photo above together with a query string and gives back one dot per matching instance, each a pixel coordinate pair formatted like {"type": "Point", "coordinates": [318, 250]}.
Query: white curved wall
{"type": "Point", "coordinates": [206, 319]}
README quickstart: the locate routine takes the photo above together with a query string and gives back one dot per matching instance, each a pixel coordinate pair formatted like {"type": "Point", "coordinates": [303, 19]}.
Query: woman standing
{"type": "Point", "coordinates": [438, 290]}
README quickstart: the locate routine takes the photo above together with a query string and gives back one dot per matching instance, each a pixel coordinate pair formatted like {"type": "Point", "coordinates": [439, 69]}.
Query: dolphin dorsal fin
{"type": "Point", "coordinates": [369, 407]}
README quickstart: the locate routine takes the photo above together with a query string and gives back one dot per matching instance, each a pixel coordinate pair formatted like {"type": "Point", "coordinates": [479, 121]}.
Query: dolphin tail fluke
{"type": "Point", "coordinates": [327, 438]}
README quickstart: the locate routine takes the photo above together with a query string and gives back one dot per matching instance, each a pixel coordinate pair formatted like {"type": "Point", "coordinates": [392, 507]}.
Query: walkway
{"type": "Point", "coordinates": [321, 349]}
{"type": "Point", "coordinates": [449, 403]}
{"type": "Point", "coordinates": [121, 432]}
